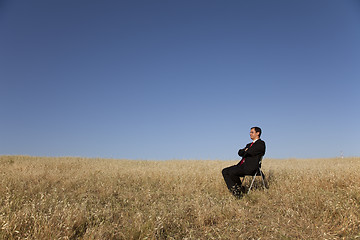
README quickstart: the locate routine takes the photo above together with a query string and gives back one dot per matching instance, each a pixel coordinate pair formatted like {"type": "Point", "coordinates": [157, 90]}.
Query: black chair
{"type": "Point", "coordinates": [259, 173]}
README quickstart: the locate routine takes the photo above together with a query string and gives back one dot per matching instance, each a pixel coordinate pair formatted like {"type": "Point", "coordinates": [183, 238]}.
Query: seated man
{"type": "Point", "coordinates": [249, 163]}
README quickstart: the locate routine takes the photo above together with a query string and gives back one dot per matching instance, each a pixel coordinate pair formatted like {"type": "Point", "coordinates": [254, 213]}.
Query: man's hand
{"type": "Point", "coordinates": [246, 149]}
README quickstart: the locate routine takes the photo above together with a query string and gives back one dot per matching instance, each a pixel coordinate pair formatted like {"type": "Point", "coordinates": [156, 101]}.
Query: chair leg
{"type": "Point", "coordinates": [252, 182]}
{"type": "Point", "coordinates": [262, 178]}
{"type": "Point", "coordinates": [242, 182]}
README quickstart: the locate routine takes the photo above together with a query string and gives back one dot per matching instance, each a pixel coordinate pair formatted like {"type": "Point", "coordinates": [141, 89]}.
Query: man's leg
{"type": "Point", "coordinates": [232, 178]}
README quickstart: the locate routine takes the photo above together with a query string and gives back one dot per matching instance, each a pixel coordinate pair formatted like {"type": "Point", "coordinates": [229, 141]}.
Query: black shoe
{"type": "Point", "coordinates": [236, 191]}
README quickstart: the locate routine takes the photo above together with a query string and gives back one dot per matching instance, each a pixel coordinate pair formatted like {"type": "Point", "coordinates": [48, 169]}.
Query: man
{"type": "Point", "coordinates": [249, 163]}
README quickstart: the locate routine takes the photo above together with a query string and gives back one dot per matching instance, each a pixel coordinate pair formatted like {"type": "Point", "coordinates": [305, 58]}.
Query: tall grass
{"type": "Point", "coordinates": [78, 198]}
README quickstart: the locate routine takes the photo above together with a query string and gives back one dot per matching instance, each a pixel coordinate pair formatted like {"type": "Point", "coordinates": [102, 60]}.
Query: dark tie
{"type": "Point", "coordinates": [243, 160]}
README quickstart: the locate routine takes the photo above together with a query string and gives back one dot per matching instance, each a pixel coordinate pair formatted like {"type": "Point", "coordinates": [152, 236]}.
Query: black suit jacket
{"type": "Point", "coordinates": [252, 156]}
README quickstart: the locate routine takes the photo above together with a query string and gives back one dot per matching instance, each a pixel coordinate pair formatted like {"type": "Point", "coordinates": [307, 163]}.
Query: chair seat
{"type": "Point", "coordinates": [257, 173]}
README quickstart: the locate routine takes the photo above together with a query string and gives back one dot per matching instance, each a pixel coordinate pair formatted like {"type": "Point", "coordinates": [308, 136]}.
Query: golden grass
{"type": "Point", "coordinates": [78, 198]}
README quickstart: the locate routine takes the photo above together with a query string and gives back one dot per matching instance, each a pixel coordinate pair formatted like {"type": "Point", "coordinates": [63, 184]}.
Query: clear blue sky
{"type": "Point", "coordinates": [179, 79]}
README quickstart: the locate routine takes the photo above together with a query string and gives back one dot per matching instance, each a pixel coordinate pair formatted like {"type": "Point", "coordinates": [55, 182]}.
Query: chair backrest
{"type": "Point", "coordinates": [260, 161]}
{"type": "Point", "coordinates": [257, 171]}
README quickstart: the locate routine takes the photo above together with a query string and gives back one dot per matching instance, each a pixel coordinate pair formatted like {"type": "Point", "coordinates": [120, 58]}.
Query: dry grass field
{"type": "Point", "coordinates": [78, 198]}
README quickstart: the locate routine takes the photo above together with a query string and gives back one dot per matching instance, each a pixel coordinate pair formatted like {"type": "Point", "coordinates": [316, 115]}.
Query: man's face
{"type": "Point", "coordinates": [254, 135]}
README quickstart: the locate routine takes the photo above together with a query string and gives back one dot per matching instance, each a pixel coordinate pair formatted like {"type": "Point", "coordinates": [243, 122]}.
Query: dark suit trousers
{"type": "Point", "coordinates": [232, 176]}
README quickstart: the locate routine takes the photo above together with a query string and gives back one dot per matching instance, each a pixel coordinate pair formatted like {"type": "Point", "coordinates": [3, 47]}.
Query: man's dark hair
{"type": "Point", "coordinates": [257, 129]}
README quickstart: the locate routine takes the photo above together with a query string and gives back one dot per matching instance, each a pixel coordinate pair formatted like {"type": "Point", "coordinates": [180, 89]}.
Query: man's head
{"type": "Point", "coordinates": [255, 133]}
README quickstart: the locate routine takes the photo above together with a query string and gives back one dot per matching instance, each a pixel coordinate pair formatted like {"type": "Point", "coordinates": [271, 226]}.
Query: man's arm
{"type": "Point", "coordinates": [257, 149]}
{"type": "Point", "coordinates": [242, 151]}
